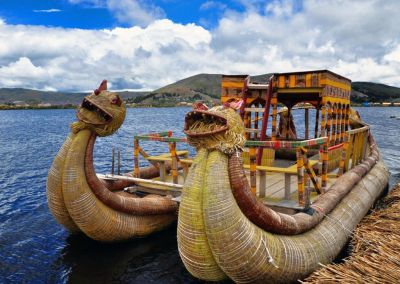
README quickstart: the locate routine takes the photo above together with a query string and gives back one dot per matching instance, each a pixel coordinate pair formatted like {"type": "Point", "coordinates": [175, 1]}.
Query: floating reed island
{"type": "Point", "coordinates": [375, 249]}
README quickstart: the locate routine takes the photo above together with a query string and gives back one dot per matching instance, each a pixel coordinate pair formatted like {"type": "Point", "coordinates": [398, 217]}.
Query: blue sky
{"type": "Point", "coordinates": [96, 15]}
{"type": "Point", "coordinates": [71, 45]}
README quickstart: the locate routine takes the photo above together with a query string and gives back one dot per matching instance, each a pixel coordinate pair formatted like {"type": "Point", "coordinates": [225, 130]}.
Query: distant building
{"type": "Point", "coordinates": [184, 104]}
{"type": "Point", "coordinates": [44, 105]}
{"type": "Point", "coordinates": [20, 104]}
{"type": "Point", "coordinates": [386, 104]}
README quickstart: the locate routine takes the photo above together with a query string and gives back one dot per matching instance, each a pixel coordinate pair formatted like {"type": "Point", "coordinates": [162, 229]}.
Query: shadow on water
{"type": "Point", "coordinates": [151, 259]}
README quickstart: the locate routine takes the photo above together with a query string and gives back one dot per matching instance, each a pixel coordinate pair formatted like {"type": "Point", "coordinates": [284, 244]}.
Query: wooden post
{"type": "Point", "coordinates": [347, 118]}
{"type": "Point", "coordinates": [306, 123]}
{"type": "Point", "coordinates": [365, 142]}
{"type": "Point", "coordinates": [119, 163]}
{"type": "Point", "coordinates": [316, 121]}
{"type": "Point", "coordinates": [342, 123]}
{"type": "Point", "coordinates": [274, 103]}
{"type": "Point", "coordinates": [300, 177]}
{"type": "Point", "coordinates": [288, 123]}
{"type": "Point", "coordinates": [334, 124]}
{"type": "Point", "coordinates": [136, 148]}
{"type": "Point", "coordinates": [324, 168]}
{"type": "Point", "coordinates": [323, 120]}
{"type": "Point", "coordinates": [112, 161]}
{"type": "Point", "coordinates": [253, 170]}
{"type": "Point", "coordinates": [262, 183]}
{"type": "Point", "coordinates": [174, 162]}
{"type": "Point", "coordinates": [255, 125]}
{"type": "Point", "coordinates": [329, 124]}
{"type": "Point", "coordinates": [342, 162]}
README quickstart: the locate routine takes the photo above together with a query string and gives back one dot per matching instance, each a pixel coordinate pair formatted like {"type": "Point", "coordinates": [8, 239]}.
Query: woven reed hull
{"type": "Point", "coordinates": [75, 206]}
{"type": "Point", "coordinates": [246, 253]}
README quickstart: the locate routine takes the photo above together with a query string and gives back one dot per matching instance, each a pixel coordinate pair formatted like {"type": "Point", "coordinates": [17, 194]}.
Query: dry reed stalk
{"type": "Point", "coordinates": [375, 248]}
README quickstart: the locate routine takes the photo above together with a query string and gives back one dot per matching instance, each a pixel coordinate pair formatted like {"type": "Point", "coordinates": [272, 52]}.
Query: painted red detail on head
{"type": "Point", "coordinates": [233, 104]}
{"type": "Point", "coordinates": [102, 87]}
{"type": "Point", "coordinates": [199, 106]}
{"type": "Point", "coordinates": [116, 101]}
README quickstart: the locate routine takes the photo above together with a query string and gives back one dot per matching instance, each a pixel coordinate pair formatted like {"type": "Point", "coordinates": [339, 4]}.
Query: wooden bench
{"type": "Point", "coordinates": [166, 157]}
{"type": "Point", "coordinates": [288, 172]}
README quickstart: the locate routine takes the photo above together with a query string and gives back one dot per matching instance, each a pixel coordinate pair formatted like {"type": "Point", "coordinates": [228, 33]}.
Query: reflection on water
{"type": "Point", "coordinates": [152, 259]}
{"type": "Point", "coordinates": [33, 248]}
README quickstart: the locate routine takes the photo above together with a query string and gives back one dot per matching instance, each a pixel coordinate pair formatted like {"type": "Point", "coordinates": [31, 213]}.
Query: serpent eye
{"type": "Point", "coordinates": [116, 100]}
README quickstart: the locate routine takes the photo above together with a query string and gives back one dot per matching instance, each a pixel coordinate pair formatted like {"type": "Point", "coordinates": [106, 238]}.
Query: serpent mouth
{"type": "Point", "coordinates": [200, 123]}
{"type": "Point", "coordinates": [93, 113]}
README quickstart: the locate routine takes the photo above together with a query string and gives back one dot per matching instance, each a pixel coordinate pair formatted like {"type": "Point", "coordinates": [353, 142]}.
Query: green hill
{"type": "Point", "coordinates": [206, 87]}
{"type": "Point", "coordinates": [375, 92]}
{"type": "Point", "coordinates": [33, 97]}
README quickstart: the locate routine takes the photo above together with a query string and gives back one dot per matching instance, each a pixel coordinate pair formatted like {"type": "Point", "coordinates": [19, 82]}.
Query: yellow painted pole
{"type": "Point", "coordinates": [300, 176]}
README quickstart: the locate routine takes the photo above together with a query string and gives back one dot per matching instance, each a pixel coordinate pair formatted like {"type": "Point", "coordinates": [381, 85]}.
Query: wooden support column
{"type": "Point", "coordinates": [112, 160]}
{"type": "Point", "coordinates": [306, 114]}
{"type": "Point", "coordinates": [365, 143]}
{"type": "Point", "coordinates": [324, 167]}
{"type": "Point", "coordinates": [342, 123]}
{"type": "Point", "coordinates": [300, 177]}
{"type": "Point", "coordinates": [255, 125]}
{"type": "Point", "coordinates": [316, 121]}
{"type": "Point", "coordinates": [347, 118]}
{"type": "Point", "coordinates": [323, 120]}
{"type": "Point", "coordinates": [136, 170]}
{"type": "Point", "coordinates": [342, 167]}
{"type": "Point", "coordinates": [329, 124]}
{"type": "Point", "coordinates": [262, 183]}
{"type": "Point", "coordinates": [334, 124]}
{"type": "Point", "coordinates": [288, 123]}
{"type": "Point", "coordinates": [274, 103]}
{"type": "Point", "coordinates": [174, 163]}
{"type": "Point", "coordinates": [253, 170]}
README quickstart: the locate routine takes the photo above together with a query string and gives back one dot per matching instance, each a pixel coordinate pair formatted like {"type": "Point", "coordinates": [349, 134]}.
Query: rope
{"type": "Point", "coordinates": [269, 257]}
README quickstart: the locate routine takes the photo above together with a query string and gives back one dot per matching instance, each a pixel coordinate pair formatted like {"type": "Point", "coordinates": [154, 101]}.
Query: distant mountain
{"type": "Point", "coordinates": [206, 87]}
{"type": "Point", "coordinates": [32, 97]}
{"type": "Point", "coordinates": [374, 92]}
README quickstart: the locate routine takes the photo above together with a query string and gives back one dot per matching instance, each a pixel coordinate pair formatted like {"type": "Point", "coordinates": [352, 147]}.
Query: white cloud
{"type": "Point", "coordinates": [135, 12]}
{"type": "Point", "coordinates": [47, 11]}
{"type": "Point", "coordinates": [132, 12]}
{"type": "Point", "coordinates": [359, 40]}
{"type": "Point", "coordinates": [213, 5]}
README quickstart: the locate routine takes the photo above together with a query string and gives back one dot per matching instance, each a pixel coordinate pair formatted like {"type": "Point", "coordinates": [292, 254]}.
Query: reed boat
{"type": "Point", "coordinates": [100, 208]}
{"type": "Point", "coordinates": [267, 201]}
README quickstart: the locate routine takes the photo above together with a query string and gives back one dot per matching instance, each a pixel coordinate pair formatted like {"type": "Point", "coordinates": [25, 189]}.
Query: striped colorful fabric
{"type": "Point", "coordinates": [287, 144]}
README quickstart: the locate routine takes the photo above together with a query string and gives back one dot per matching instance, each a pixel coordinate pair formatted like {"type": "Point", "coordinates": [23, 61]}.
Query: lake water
{"type": "Point", "coordinates": [35, 249]}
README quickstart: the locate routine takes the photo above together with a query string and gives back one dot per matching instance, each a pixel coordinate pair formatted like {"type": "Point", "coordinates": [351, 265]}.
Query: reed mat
{"type": "Point", "coordinates": [375, 244]}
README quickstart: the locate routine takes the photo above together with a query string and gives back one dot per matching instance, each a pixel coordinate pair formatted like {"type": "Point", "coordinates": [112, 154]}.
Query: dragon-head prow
{"type": "Point", "coordinates": [220, 128]}
{"type": "Point", "coordinates": [102, 111]}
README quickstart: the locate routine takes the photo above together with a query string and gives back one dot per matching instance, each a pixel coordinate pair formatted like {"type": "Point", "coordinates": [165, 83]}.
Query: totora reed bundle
{"type": "Point", "coordinates": [375, 249]}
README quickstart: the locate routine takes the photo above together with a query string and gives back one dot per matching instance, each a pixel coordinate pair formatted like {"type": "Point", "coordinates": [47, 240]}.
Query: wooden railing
{"type": "Point", "coordinates": [354, 148]}
{"type": "Point", "coordinates": [160, 161]}
{"type": "Point", "coordinates": [303, 168]}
